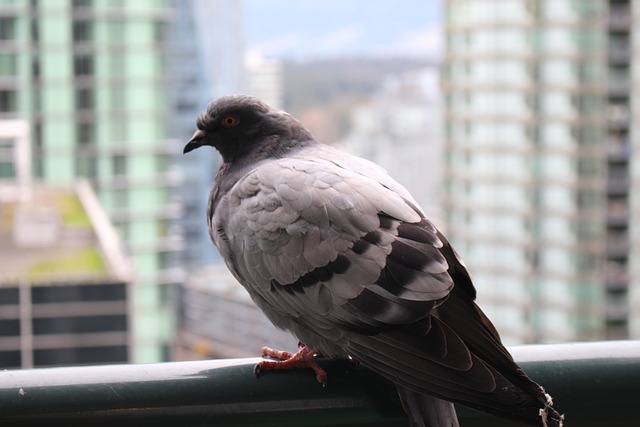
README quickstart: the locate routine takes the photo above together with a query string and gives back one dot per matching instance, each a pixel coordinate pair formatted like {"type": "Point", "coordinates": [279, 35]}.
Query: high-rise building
{"type": "Point", "coordinates": [619, 189]}
{"type": "Point", "coordinates": [89, 76]}
{"type": "Point", "coordinates": [205, 61]}
{"type": "Point", "coordinates": [265, 78]}
{"type": "Point", "coordinates": [624, 22]}
{"type": "Point", "coordinates": [538, 156]}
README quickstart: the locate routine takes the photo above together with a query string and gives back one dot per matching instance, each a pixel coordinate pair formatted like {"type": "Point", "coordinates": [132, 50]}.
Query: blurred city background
{"type": "Point", "coordinates": [511, 121]}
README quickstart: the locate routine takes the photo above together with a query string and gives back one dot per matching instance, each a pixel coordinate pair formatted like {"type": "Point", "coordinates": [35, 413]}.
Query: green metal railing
{"type": "Point", "coordinates": [595, 384]}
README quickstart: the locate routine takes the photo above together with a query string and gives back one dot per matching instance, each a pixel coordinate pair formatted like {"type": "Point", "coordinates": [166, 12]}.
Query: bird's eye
{"type": "Point", "coordinates": [230, 121]}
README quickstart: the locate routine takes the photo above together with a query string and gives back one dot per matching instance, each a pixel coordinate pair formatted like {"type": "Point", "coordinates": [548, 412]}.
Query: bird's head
{"type": "Point", "coordinates": [240, 125]}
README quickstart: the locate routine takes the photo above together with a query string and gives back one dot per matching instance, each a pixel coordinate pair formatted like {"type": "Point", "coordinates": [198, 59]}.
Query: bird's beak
{"type": "Point", "coordinates": [197, 140]}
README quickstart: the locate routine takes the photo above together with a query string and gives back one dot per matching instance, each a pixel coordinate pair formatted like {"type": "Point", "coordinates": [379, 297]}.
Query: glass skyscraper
{"type": "Point", "coordinates": [205, 61]}
{"type": "Point", "coordinates": [538, 143]}
{"type": "Point", "coordinates": [90, 77]}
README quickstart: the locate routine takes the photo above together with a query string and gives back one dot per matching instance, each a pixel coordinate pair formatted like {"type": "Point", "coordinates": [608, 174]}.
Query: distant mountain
{"type": "Point", "coordinates": [331, 28]}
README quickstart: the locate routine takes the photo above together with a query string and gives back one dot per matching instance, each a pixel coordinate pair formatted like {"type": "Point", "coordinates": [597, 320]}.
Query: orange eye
{"type": "Point", "coordinates": [230, 121]}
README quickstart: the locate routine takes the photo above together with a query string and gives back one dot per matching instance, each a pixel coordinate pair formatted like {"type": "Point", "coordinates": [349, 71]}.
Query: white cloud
{"type": "Point", "coordinates": [338, 40]}
{"type": "Point", "coordinates": [424, 42]}
{"type": "Point", "coordinates": [277, 45]}
{"type": "Point", "coordinates": [299, 44]}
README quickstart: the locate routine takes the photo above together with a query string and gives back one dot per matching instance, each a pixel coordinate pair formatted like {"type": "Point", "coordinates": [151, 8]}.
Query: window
{"type": "Point", "coordinates": [83, 65]}
{"type": "Point", "coordinates": [80, 355]}
{"type": "Point", "coordinates": [82, 31]}
{"type": "Point", "coordinates": [585, 229]}
{"type": "Point", "coordinates": [162, 163]}
{"type": "Point", "coordinates": [116, 31]}
{"type": "Point", "coordinates": [79, 324]}
{"type": "Point", "coordinates": [118, 130]}
{"type": "Point", "coordinates": [86, 165]}
{"type": "Point", "coordinates": [165, 260]}
{"type": "Point", "coordinates": [38, 161]}
{"type": "Point", "coordinates": [85, 99]}
{"type": "Point", "coordinates": [37, 99]}
{"type": "Point", "coordinates": [160, 63]}
{"type": "Point", "coordinates": [81, 3]}
{"type": "Point", "coordinates": [7, 28]}
{"type": "Point", "coordinates": [7, 169]}
{"type": "Point", "coordinates": [8, 64]}
{"type": "Point", "coordinates": [35, 31]}
{"type": "Point", "coordinates": [119, 165]}
{"type": "Point", "coordinates": [75, 293]}
{"type": "Point", "coordinates": [8, 101]}
{"type": "Point", "coordinates": [118, 98]}
{"type": "Point", "coordinates": [587, 166]}
{"type": "Point", "coordinates": [120, 200]}
{"type": "Point", "coordinates": [160, 32]}
{"type": "Point", "coordinates": [86, 133]}
{"type": "Point", "coordinates": [9, 296]}
{"type": "Point", "coordinates": [588, 199]}
{"type": "Point", "coordinates": [35, 67]}
{"type": "Point", "coordinates": [589, 135]}
{"type": "Point", "coordinates": [10, 359]}
{"type": "Point", "coordinates": [122, 227]}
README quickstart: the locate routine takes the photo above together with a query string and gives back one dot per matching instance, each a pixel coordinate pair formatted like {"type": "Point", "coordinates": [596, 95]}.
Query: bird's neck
{"type": "Point", "coordinates": [270, 147]}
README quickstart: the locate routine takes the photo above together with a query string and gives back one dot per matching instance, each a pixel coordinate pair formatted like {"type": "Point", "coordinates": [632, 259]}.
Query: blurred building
{"type": "Point", "coordinates": [89, 76]}
{"type": "Point", "coordinates": [538, 143]}
{"type": "Point", "coordinates": [399, 129]}
{"type": "Point", "coordinates": [219, 320]}
{"type": "Point", "coordinates": [265, 79]}
{"type": "Point", "coordinates": [205, 61]}
{"type": "Point", "coordinates": [64, 278]}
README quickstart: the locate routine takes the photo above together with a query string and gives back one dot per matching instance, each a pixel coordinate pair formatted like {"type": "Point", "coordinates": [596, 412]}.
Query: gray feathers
{"type": "Point", "coordinates": [333, 249]}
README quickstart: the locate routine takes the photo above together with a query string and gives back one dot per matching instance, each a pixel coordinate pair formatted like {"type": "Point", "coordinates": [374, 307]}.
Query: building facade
{"type": "Point", "coordinates": [205, 61]}
{"type": "Point", "coordinates": [65, 282]}
{"type": "Point", "coordinates": [629, 20]}
{"type": "Point", "coordinates": [537, 144]}
{"type": "Point", "coordinates": [90, 78]}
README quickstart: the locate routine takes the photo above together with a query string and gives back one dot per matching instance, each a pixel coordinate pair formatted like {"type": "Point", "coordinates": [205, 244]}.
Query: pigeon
{"type": "Point", "coordinates": [331, 248]}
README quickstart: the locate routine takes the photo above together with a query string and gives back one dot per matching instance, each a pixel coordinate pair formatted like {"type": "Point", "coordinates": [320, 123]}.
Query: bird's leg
{"type": "Point", "coordinates": [276, 354]}
{"type": "Point", "coordinates": [303, 358]}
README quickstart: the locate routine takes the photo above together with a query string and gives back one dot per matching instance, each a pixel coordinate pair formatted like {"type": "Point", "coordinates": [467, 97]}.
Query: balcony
{"type": "Point", "coordinates": [595, 384]}
{"type": "Point", "coordinates": [618, 149]}
{"type": "Point", "coordinates": [619, 17]}
{"type": "Point", "coordinates": [617, 214]}
{"type": "Point", "coordinates": [616, 277]}
{"type": "Point", "coordinates": [619, 86]}
{"type": "Point", "coordinates": [617, 245]}
{"type": "Point", "coordinates": [619, 54]}
{"type": "Point", "coordinates": [618, 116]}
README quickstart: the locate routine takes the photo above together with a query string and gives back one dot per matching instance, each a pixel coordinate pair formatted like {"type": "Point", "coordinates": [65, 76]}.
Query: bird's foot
{"type": "Point", "coordinates": [303, 358]}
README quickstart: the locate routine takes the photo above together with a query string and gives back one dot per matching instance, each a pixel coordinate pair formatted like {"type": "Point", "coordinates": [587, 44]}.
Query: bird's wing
{"type": "Point", "coordinates": [318, 240]}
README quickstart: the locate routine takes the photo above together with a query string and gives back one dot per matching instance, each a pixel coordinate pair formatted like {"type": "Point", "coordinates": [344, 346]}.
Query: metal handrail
{"type": "Point", "coordinates": [595, 384]}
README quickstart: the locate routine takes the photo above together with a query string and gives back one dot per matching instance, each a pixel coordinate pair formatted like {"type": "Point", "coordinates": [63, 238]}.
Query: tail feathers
{"type": "Point", "coordinates": [424, 410]}
{"type": "Point", "coordinates": [427, 411]}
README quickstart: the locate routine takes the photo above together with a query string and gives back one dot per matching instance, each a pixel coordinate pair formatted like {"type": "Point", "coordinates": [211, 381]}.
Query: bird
{"type": "Point", "coordinates": [331, 248]}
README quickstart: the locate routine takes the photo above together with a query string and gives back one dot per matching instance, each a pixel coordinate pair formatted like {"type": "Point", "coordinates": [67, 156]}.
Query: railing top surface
{"type": "Point", "coordinates": [593, 383]}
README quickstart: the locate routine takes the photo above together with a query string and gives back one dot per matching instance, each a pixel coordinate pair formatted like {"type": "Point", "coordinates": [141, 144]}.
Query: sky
{"type": "Point", "coordinates": [304, 29]}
